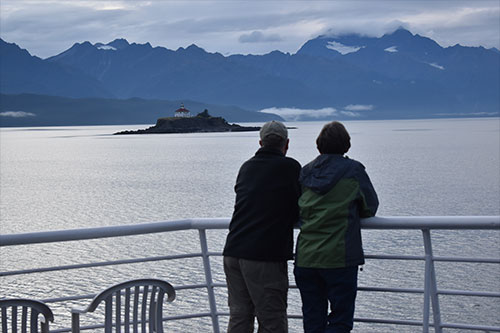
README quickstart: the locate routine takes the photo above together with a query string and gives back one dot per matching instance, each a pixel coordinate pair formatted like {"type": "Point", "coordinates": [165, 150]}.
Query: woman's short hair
{"type": "Point", "coordinates": [333, 139]}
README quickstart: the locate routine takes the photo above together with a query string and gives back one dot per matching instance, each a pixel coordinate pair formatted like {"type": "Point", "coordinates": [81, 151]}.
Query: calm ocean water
{"type": "Point", "coordinates": [70, 177]}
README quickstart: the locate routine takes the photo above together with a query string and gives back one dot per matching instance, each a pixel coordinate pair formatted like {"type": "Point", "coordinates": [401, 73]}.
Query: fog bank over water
{"type": "Point", "coordinates": [351, 111]}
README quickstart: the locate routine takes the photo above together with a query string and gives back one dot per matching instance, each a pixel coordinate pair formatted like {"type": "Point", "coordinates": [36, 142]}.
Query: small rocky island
{"type": "Point", "coordinates": [202, 122]}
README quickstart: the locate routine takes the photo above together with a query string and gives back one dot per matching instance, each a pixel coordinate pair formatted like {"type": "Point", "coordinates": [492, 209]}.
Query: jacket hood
{"type": "Point", "coordinates": [324, 172]}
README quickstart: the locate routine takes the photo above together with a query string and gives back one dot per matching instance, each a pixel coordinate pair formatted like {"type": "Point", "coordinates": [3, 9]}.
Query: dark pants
{"type": "Point", "coordinates": [256, 289]}
{"type": "Point", "coordinates": [318, 286]}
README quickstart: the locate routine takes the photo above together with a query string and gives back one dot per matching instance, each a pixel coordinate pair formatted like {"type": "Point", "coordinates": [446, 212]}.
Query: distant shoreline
{"type": "Point", "coordinates": [2, 126]}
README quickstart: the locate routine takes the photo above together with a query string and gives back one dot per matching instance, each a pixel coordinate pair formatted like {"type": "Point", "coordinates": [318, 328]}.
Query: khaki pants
{"type": "Point", "coordinates": [256, 289]}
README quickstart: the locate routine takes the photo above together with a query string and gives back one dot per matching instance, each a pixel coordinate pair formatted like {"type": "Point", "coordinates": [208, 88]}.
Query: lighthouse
{"type": "Point", "coordinates": [182, 112]}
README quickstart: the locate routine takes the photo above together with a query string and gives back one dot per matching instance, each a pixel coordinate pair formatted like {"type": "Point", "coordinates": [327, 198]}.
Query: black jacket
{"type": "Point", "coordinates": [266, 208]}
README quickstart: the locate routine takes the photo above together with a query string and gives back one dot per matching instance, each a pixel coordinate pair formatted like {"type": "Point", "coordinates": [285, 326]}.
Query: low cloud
{"type": "Point", "coordinates": [17, 114]}
{"type": "Point", "coordinates": [469, 114]}
{"type": "Point", "coordinates": [393, 25]}
{"type": "Point", "coordinates": [368, 26]}
{"type": "Point", "coordinates": [358, 107]}
{"type": "Point", "coordinates": [259, 37]}
{"type": "Point", "coordinates": [293, 114]}
{"type": "Point", "coordinates": [350, 114]}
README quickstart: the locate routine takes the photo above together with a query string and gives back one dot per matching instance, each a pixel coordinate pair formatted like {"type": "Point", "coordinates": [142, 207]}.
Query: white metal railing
{"type": "Point", "coordinates": [423, 223]}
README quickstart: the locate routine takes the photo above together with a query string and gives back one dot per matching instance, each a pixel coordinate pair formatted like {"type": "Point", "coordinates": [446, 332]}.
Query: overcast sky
{"type": "Point", "coordinates": [48, 27]}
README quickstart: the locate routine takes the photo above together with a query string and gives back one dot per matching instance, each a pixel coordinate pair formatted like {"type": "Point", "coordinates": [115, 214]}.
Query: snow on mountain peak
{"type": "Point", "coordinates": [391, 49]}
{"type": "Point", "coordinates": [343, 49]}
{"type": "Point", "coordinates": [433, 64]}
{"type": "Point", "coordinates": [106, 47]}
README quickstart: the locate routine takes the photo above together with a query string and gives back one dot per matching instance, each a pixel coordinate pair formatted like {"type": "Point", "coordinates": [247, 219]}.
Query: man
{"type": "Point", "coordinates": [260, 239]}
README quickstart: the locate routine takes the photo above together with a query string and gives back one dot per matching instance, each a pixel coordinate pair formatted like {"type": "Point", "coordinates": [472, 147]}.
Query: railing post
{"type": "Point", "coordinates": [208, 278]}
{"type": "Point", "coordinates": [430, 286]}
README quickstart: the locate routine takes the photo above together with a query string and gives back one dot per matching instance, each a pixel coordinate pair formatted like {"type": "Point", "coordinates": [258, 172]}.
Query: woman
{"type": "Point", "coordinates": [336, 194]}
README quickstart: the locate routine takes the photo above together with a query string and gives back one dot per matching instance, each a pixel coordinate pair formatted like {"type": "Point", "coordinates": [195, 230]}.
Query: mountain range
{"type": "Point", "coordinates": [398, 75]}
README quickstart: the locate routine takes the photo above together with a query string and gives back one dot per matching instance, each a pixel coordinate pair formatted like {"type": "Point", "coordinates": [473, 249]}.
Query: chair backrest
{"type": "Point", "coordinates": [23, 315]}
{"type": "Point", "coordinates": [135, 304]}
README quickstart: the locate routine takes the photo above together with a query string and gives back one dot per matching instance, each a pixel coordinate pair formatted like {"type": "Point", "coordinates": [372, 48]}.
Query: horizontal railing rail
{"type": "Point", "coordinates": [423, 223]}
{"type": "Point", "coordinates": [393, 222]}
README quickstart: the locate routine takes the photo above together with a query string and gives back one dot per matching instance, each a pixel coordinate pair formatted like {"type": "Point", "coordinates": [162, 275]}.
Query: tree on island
{"type": "Point", "coordinates": [203, 114]}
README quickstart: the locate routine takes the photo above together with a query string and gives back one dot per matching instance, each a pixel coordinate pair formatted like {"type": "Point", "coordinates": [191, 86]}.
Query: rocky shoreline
{"type": "Point", "coordinates": [202, 122]}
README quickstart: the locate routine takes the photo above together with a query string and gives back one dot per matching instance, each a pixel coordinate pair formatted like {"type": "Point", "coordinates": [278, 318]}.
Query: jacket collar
{"type": "Point", "coordinates": [269, 151]}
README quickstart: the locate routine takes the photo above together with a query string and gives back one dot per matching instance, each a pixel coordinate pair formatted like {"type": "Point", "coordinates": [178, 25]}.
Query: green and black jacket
{"type": "Point", "coordinates": [336, 193]}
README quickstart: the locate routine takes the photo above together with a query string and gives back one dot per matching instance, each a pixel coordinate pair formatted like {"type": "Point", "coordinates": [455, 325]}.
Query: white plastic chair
{"type": "Point", "coordinates": [30, 311]}
{"type": "Point", "coordinates": [130, 305]}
